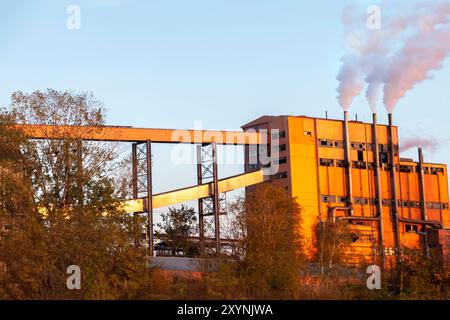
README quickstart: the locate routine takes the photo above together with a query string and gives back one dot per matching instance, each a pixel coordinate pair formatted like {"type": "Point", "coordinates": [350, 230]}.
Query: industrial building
{"type": "Point", "coordinates": [353, 170]}
{"type": "Point", "coordinates": [336, 170]}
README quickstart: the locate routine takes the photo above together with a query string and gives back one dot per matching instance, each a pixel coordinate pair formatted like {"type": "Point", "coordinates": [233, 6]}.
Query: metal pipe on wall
{"type": "Point", "coordinates": [423, 203]}
{"type": "Point", "coordinates": [379, 199]}
{"type": "Point", "coordinates": [348, 171]}
{"type": "Point", "coordinates": [394, 197]}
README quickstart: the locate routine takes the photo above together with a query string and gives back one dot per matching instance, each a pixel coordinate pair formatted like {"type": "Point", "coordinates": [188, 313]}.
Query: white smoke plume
{"type": "Point", "coordinates": [413, 41]}
{"type": "Point", "coordinates": [427, 143]}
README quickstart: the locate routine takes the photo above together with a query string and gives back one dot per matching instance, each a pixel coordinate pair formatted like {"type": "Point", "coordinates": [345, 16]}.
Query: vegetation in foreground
{"type": "Point", "coordinates": [54, 196]}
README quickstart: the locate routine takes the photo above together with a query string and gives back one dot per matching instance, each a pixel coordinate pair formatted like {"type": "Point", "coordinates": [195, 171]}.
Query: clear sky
{"type": "Point", "coordinates": [168, 63]}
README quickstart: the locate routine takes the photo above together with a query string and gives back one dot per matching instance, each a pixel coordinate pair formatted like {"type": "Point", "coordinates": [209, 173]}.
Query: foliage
{"type": "Point", "coordinates": [177, 226]}
{"type": "Point", "coordinates": [68, 181]}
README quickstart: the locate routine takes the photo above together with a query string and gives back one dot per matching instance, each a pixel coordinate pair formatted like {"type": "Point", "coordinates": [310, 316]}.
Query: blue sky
{"type": "Point", "coordinates": [168, 63]}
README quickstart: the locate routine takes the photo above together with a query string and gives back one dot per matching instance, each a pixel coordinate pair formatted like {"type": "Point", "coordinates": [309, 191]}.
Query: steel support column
{"type": "Point", "coordinates": [201, 226]}
{"type": "Point", "coordinates": [216, 199]}
{"type": "Point", "coordinates": [210, 208]}
{"type": "Point", "coordinates": [135, 192]}
{"type": "Point", "coordinates": [149, 199]}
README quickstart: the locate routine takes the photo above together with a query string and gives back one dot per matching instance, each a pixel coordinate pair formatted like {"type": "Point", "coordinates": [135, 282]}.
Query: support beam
{"type": "Point", "coordinates": [201, 226]}
{"type": "Point", "coordinates": [134, 183]}
{"type": "Point", "coordinates": [216, 206]}
{"type": "Point", "coordinates": [149, 199]}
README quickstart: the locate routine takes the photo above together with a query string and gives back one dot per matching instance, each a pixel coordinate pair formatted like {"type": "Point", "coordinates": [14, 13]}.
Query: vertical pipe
{"type": "Point", "coordinates": [423, 203]}
{"type": "Point", "coordinates": [348, 162]}
{"type": "Point", "coordinates": [379, 199]}
{"type": "Point", "coordinates": [149, 198]}
{"type": "Point", "coordinates": [216, 198]}
{"type": "Point", "coordinates": [201, 227]}
{"type": "Point", "coordinates": [394, 196]}
{"type": "Point", "coordinates": [135, 191]}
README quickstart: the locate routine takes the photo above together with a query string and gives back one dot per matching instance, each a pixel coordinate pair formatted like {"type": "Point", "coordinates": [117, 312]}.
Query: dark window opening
{"type": "Point", "coordinates": [327, 162]}
{"type": "Point", "coordinates": [282, 147]}
{"type": "Point", "coordinates": [341, 164]}
{"type": "Point", "coordinates": [359, 165]}
{"type": "Point", "coordinates": [360, 155]}
{"type": "Point", "coordinates": [411, 228]}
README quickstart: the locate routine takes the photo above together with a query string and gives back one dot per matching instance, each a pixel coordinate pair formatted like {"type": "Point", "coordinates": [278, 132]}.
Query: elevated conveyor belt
{"type": "Point", "coordinates": [195, 192]}
{"type": "Point", "coordinates": [130, 134]}
{"type": "Point", "coordinates": [188, 194]}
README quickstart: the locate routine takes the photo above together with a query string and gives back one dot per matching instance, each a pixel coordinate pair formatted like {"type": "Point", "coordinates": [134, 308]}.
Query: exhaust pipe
{"type": "Point", "coordinates": [379, 200]}
{"type": "Point", "coordinates": [348, 171]}
{"type": "Point", "coordinates": [394, 206]}
{"type": "Point", "coordinates": [423, 203]}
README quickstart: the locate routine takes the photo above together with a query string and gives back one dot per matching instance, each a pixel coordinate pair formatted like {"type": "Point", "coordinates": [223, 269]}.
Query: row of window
{"type": "Point", "coordinates": [360, 146]}
{"type": "Point", "coordinates": [370, 165]}
{"type": "Point", "coordinates": [385, 202]}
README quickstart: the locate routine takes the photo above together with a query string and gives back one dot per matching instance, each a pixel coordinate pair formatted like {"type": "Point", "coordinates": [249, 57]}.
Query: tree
{"type": "Point", "coordinates": [70, 180]}
{"type": "Point", "coordinates": [177, 226]}
{"type": "Point", "coordinates": [273, 242]}
{"type": "Point", "coordinates": [331, 240]}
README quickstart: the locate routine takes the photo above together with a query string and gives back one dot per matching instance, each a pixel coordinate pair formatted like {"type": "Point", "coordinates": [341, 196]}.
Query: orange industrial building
{"type": "Point", "coordinates": [337, 170]}
{"type": "Point", "coordinates": [411, 210]}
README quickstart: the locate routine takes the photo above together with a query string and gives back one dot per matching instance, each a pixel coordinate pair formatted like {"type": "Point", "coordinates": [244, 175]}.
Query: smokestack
{"type": "Point", "coordinates": [394, 197]}
{"type": "Point", "coordinates": [423, 203]}
{"type": "Point", "coordinates": [348, 171]}
{"type": "Point", "coordinates": [379, 199]}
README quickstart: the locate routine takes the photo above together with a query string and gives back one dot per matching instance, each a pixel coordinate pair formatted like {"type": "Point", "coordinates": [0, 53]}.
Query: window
{"type": "Point", "coordinates": [360, 155]}
{"type": "Point", "coordinates": [328, 199]}
{"type": "Point", "coordinates": [406, 169]}
{"type": "Point", "coordinates": [361, 201]}
{"type": "Point", "coordinates": [436, 171]}
{"type": "Point", "coordinates": [341, 164]}
{"type": "Point", "coordinates": [359, 165]}
{"type": "Point", "coordinates": [383, 157]}
{"type": "Point", "coordinates": [327, 162]}
{"type": "Point", "coordinates": [411, 228]}
{"type": "Point", "coordinates": [308, 133]}
{"type": "Point", "coordinates": [342, 199]}
{"type": "Point", "coordinates": [358, 146]}
{"type": "Point", "coordinates": [282, 147]}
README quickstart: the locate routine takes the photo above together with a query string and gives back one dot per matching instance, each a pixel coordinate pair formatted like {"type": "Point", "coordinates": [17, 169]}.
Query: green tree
{"type": "Point", "coordinates": [70, 180]}
{"type": "Point", "coordinates": [273, 243]}
{"type": "Point", "coordinates": [177, 226]}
